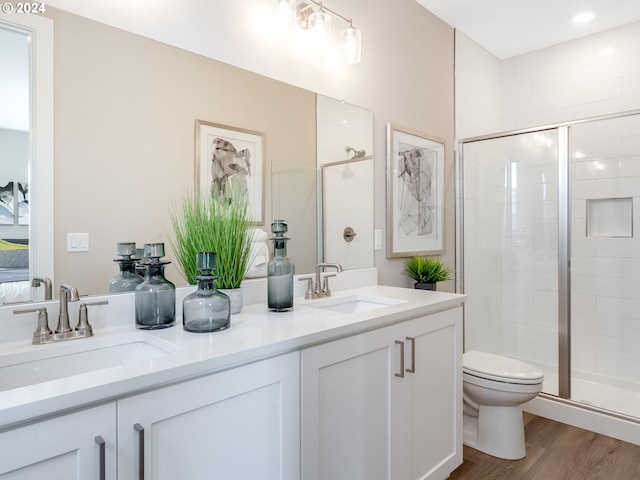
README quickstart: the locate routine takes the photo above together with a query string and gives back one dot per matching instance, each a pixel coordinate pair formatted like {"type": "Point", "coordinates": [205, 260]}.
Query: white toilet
{"type": "Point", "coordinates": [494, 387]}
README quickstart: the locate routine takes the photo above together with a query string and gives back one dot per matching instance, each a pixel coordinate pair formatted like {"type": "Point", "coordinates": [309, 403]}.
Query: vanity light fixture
{"type": "Point", "coordinates": [313, 17]}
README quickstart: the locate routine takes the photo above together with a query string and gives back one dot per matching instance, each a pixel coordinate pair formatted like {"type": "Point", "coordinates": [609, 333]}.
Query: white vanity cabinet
{"type": "Point", "coordinates": [236, 424]}
{"type": "Point", "coordinates": [74, 446]}
{"type": "Point", "coordinates": [385, 404]}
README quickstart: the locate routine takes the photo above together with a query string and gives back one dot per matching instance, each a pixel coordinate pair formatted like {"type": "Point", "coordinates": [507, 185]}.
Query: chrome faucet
{"type": "Point", "coordinates": [46, 281]}
{"type": "Point", "coordinates": [67, 294]}
{"type": "Point", "coordinates": [321, 287]}
{"type": "Point", "coordinates": [321, 267]}
{"type": "Point", "coordinates": [43, 333]}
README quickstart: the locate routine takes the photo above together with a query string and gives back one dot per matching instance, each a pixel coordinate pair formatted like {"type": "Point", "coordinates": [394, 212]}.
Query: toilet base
{"type": "Point", "coordinates": [497, 431]}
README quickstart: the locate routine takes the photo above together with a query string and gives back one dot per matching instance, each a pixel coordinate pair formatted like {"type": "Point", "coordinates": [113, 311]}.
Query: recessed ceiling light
{"type": "Point", "coordinates": [583, 17]}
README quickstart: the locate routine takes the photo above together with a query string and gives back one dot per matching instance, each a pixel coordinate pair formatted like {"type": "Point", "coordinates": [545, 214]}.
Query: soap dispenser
{"type": "Point", "coordinates": [280, 270]}
{"type": "Point", "coordinates": [155, 297]}
{"type": "Point", "coordinates": [127, 279]}
{"type": "Point", "coordinates": [206, 309]}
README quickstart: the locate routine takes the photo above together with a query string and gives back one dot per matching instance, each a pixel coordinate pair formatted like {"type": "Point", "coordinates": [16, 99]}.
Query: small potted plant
{"type": "Point", "coordinates": [207, 222]}
{"type": "Point", "coordinates": [427, 271]}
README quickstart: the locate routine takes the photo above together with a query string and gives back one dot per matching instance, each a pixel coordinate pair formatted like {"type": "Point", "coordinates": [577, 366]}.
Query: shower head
{"type": "Point", "coordinates": [356, 153]}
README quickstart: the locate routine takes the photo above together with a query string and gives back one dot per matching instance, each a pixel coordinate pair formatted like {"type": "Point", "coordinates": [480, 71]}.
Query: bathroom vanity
{"type": "Point", "coordinates": [363, 385]}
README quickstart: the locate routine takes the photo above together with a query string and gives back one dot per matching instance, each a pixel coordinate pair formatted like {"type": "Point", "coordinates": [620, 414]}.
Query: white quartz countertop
{"type": "Point", "coordinates": [255, 333]}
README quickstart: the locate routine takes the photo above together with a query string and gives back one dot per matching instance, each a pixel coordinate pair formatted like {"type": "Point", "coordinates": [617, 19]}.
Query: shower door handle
{"type": "Point", "coordinates": [401, 343]}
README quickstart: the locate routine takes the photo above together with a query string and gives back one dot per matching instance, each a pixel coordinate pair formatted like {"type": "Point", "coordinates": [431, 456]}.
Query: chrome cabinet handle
{"type": "Point", "coordinates": [101, 457]}
{"type": "Point", "coordinates": [139, 428]}
{"type": "Point", "coordinates": [413, 355]}
{"type": "Point", "coordinates": [401, 343]}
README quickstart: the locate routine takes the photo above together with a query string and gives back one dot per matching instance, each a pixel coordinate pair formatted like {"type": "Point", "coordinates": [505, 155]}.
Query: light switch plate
{"type": "Point", "coordinates": [77, 242]}
{"type": "Point", "coordinates": [377, 239]}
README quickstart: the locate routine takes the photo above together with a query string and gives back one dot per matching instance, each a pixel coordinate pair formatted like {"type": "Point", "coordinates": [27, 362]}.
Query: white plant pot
{"type": "Point", "coordinates": [235, 298]}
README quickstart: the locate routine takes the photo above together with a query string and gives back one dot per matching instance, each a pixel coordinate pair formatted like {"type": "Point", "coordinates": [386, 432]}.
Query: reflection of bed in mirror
{"type": "Point", "coordinates": [14, 271]}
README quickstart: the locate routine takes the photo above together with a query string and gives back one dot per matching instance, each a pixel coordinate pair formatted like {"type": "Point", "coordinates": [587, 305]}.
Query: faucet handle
{"type": "Point", "coordinates": [308, 295]}
{"type": "Point", "coordinates": [84, 329]}
{"type": "Point", "coordinates": [325, 284]}
{"type": "Point", "coordinates": [43, 333]}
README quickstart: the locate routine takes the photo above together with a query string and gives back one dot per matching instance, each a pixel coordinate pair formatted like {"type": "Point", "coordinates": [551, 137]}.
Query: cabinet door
{"type": "Point", "coordinates": [432, 396]}
{"type": "Point", "coordinates": [236, 424]}
{"type": "Point", "coordinates": [349, 428]}
{"type": "Point", "coordinates": [67, 447]}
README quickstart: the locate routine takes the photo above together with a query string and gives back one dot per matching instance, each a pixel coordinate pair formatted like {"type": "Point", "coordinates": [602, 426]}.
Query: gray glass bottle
{"type": "Point", "coordinates": [155, 297]}
{"type": "Point", "coordinates": [206, 309]}
{"type": "Point", "coordinates": [280, 271]}
{"type": "Point", "coordinates": [127, 279]}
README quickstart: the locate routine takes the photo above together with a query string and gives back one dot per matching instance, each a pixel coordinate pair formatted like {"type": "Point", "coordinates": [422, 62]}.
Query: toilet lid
{"type": "Point", "coordinates": [499, 368]}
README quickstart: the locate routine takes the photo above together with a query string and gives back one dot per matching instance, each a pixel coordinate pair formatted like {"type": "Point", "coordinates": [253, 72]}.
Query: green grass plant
{"type": "Point", "coordinates": [204, 222]}
{"type": "Point", "coordinates": [424, 269]}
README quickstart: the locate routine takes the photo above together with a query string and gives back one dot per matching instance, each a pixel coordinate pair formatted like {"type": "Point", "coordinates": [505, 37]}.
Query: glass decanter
{"type": "Point", "coordinates": [280, 270]}
{"type": "Point", "coordinates": [155, 297]}
{"type": "Point", "coordinates": [127, 279]}
{"type": "Point", "coordinates": [206, 309]}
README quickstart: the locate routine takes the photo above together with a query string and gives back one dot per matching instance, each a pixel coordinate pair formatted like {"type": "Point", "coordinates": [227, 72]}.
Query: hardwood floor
{"type": "Point", "coordinates": [556, 451]}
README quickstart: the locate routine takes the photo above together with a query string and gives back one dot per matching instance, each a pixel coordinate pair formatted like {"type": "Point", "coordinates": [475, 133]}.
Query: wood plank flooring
{"type": "Point", "coordinates": [556, 451]}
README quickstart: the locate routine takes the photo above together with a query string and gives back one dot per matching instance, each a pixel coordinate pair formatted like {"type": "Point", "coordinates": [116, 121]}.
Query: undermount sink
{"type": "Point", "coordinates": [354, 303]}
{"type": "Point", "coordinates": [75, 357]}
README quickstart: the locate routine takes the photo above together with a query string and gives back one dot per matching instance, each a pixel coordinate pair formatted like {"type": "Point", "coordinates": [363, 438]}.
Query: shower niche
{"type": "Point", "coordinates": [610, 217]}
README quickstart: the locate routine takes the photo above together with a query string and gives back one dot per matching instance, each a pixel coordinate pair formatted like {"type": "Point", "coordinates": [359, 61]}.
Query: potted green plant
{"type": "Point", "coordinates": [427, 271]}
{"type": "Point", "coordinates": [205, 222]}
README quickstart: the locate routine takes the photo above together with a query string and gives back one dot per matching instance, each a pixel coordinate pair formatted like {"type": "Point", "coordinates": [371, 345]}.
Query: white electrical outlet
{"type": "Point", "coordinates": [77, 242]}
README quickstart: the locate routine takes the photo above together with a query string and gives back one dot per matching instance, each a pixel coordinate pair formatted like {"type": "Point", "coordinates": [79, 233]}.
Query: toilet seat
{"type": "Point", "coordinates": [500, 369]}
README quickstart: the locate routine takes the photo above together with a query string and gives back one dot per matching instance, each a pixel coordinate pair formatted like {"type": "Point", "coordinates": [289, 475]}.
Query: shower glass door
{"type": "Point", "coordinates": [510, 225]}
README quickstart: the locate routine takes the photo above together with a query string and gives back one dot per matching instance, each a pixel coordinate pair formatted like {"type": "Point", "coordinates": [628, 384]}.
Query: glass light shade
{"type": "Point", "coordinates": [351, 44]}
{"type": "Point", "coordinates": [284, 13]}
{"type": "Point", "coordinates": [320, 27]}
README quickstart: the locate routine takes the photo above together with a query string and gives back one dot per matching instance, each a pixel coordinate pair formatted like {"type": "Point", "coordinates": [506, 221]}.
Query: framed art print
{"type": "Point", "coordinates": [229, 157]}
{"type": "Point", "coordinates": [415, 193]}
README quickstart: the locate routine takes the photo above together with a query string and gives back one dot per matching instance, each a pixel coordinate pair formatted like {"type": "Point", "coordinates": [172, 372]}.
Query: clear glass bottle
{"type": "Point", "coordinates": [206, 309]}
{"type": "Point", "coordinates": [127, 279]}
{"type": "Point", "coordinates": [155, 297]}
{"type": "Point", "coordinates": [141, 268]}
{"type": "Point", "coordinates": [280, 271]}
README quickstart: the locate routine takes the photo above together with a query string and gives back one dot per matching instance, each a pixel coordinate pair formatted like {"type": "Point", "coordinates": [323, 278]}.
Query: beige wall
{"type": "Point", "coordinates": [406, 78]}
{"type": "Point", "coordinates": [125, 108]}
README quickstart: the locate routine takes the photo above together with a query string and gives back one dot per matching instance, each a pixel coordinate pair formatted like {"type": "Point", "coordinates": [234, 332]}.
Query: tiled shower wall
{"type": "Point", "coordinates": [605, 263]}
{"type": "Point", "coordinates": [572, 80]}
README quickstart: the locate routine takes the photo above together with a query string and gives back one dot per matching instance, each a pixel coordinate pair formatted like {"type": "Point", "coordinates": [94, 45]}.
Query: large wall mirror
{"type": "Point", "coordinates": [26, 153]}
{"type": "Point", "coordinates": [124, 149]}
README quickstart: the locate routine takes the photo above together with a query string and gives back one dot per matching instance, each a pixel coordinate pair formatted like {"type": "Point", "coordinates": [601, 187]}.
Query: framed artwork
{"type": "Point", "coordinates": [7, 203]}
{"type": "Point", "coordinates": [229, 157]}
{"type": "Point", "coordinates": [415, 193]}
{"type": "Point", "coordinates": [22, 200]}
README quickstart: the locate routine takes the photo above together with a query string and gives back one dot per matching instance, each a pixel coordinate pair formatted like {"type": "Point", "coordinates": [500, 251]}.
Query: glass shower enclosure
{"type": "Point", "coordinates": [550, 255]}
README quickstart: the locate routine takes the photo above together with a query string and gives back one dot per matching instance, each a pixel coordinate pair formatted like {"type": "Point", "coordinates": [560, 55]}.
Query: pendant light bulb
{"type": "Point", "coordinates": [284, 13]}
{"type": "Point", "coordinates": [351, 44]}
{"type": "Point", "coordinates": [320, 26]}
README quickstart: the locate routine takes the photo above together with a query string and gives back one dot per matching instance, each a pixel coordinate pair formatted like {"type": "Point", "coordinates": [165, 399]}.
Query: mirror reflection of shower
{"type": "Point", "coordinates": [347, 205]}
{"type": "Point", "coordinates": [344, 183]}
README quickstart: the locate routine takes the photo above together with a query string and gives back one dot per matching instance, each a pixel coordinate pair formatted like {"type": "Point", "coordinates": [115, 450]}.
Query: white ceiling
{"type": "Point", "coordinates": [508, 28]}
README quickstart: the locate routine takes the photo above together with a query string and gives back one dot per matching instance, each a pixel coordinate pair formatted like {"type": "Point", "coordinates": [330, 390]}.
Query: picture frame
{"type": "Point", "coordinates": [234, 156]}
{"type": "Point", "coordinates": [415, 193]}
